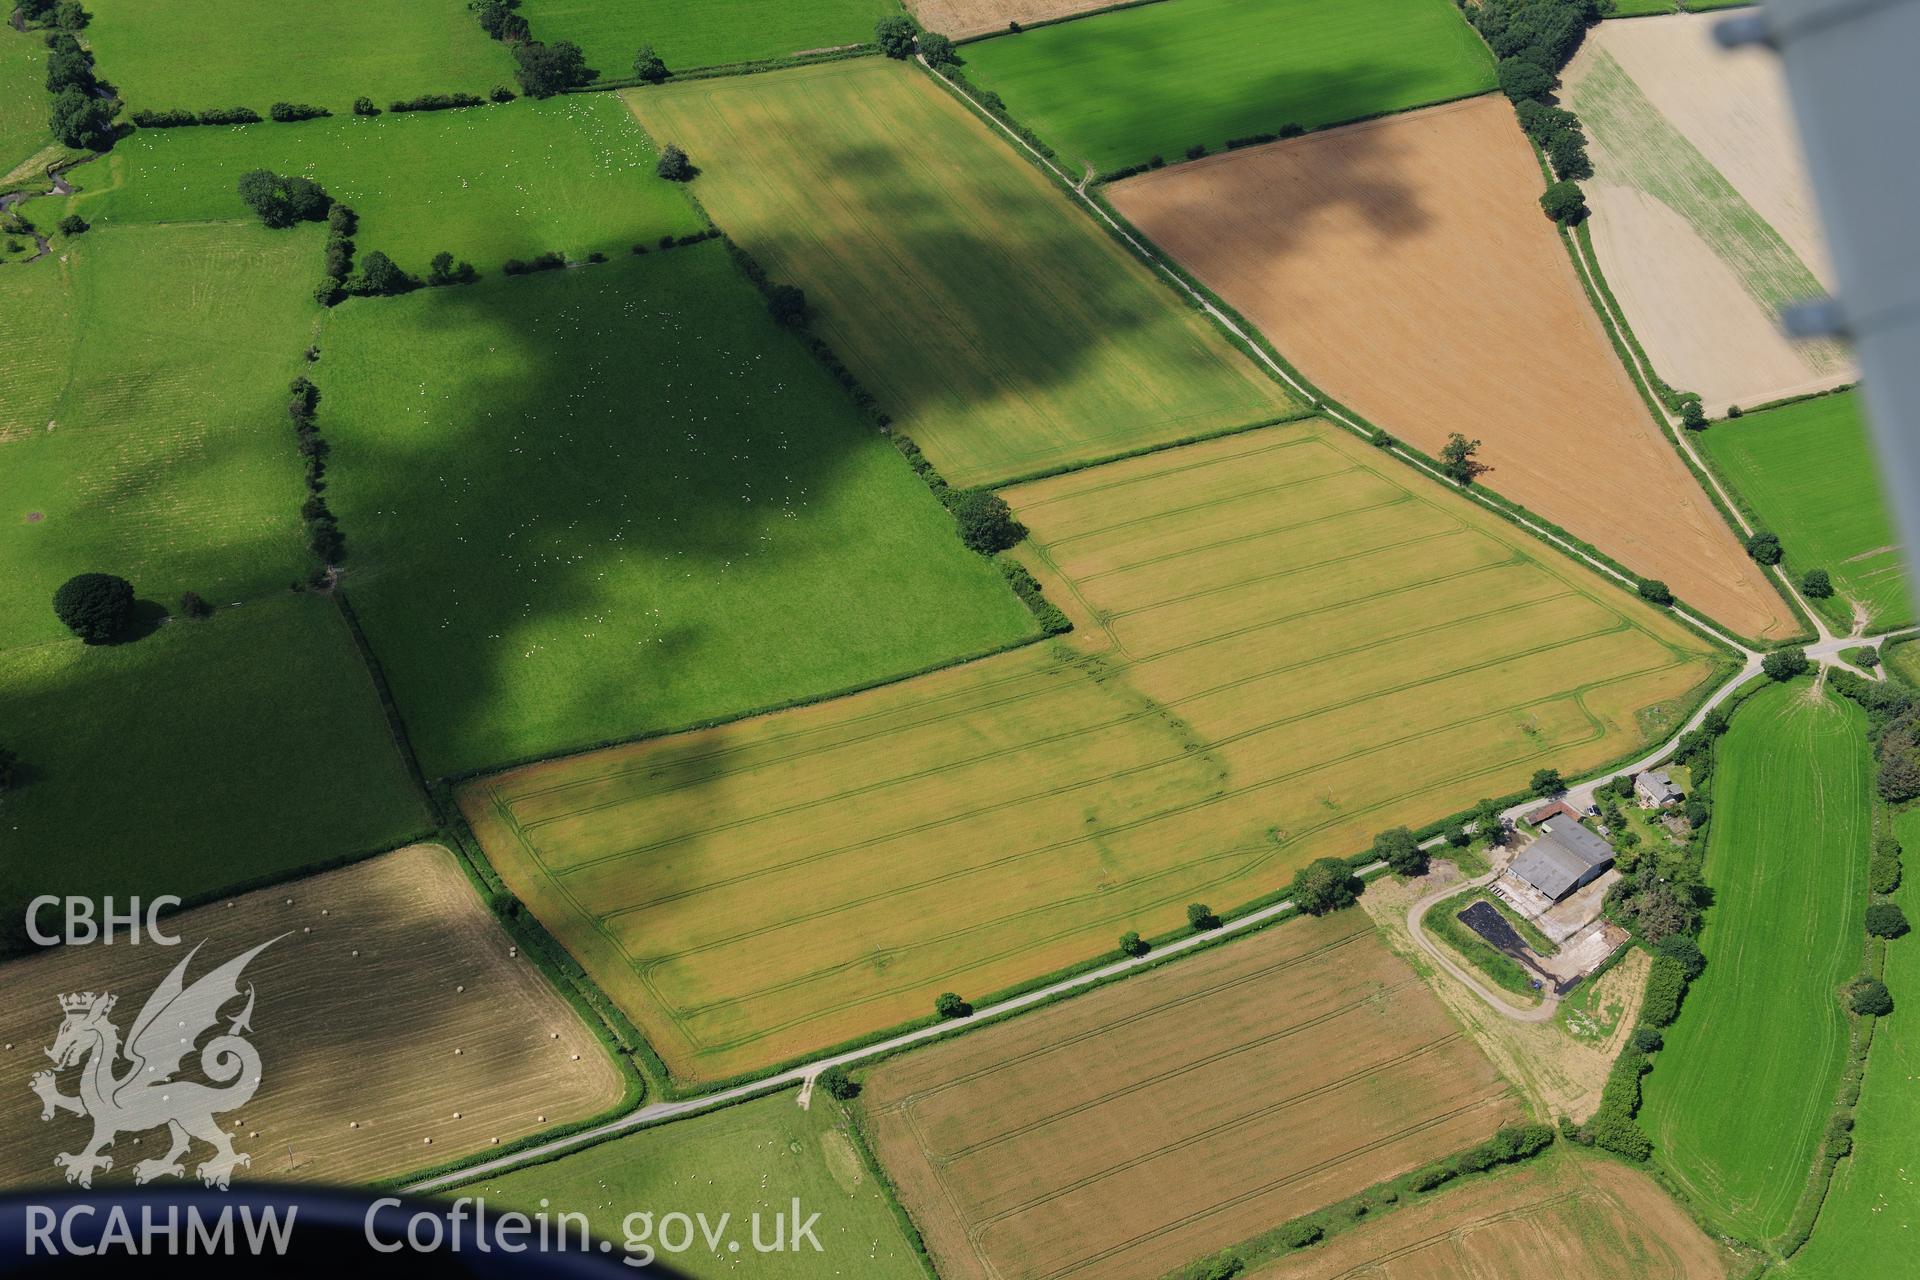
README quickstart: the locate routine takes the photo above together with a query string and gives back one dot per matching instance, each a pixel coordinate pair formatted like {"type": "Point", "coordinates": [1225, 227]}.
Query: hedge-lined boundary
{"type": "Point", "coordinates": [1654, 391]}
{"type": "Point", "coordinates": [396, 727]}
{"type": "Point", "coordinates": [1838, 617]}
{"type": "Point", "coordinates": [1050, 619]}
{"type": "Point", "coordinates": [1614, 1126]}
{"type": "Point", "coordinates": [1660, 387]}
{"type": "Point", "coordinates": [723, 70]}
{"type": "Point", "coordinates": [857, 1131]}
{"type": "Point", "coordinates": [1340, 415]}
{"type": "Point", "coordinates": [1511, 1145]}
{"type": "Point", "coordinates": [1118, 230]}
{"type": "Point", "coordinates": [1017, 28]}
{"type": "Point", "coordinates": [1592, 281]}
{"type": "Point", "coordinates": [1285, 131]}
{"type": "Point", "coordinates": [535, 943]}
{"type": "Point", "coordinates": [1837, 1138]}
{"type": "Point", "coordinates": [1021, 581]}
{"type": "Point", "coordinates": [1162, 446]}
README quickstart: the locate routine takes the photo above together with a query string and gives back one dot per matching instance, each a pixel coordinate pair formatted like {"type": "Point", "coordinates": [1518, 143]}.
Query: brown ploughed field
{"type": "Point", "coordinates": [1405, 267]}
{"type": "Point", "coordinates": [1125, 1132]}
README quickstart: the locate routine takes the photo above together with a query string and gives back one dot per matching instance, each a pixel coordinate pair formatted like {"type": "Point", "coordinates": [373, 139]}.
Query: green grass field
{"type": "Point", "coordinates": [23, 98]}
{"type": "Point", "coordinates": [1738, 1099]}
{"type": "Point", "coordinates": [1640, 8]}
{"type": "Point", "coordinates": [203, 756]}
{"type": "Point", "coordinates": [1872, 1211]}
{"type": "Point", "coordinates": [996, 323]}
{"type": "Point", "coordinates": [1809, 473]}
{"type": "Point", "coordinates": [703, 33]}
{"type": "Point", "coordinates": [198, 54]}
{"type": "Point", "coordinates": [143, 426]}
{"type": "Point", "coordinates": [588, 504]}
{"type": "Point", "coordinates": [1903, 660]}
{"type": "Point", "coordinates": [1117, 88]}
{"type": "Point", "coordinates": [571, 174]}
{"type": "Point", "coordinates": [756, 1158]}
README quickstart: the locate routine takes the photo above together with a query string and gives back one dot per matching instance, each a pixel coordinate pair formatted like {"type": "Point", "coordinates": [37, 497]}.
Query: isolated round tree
{"type": "Point", "coordinates": [986, 522]}
{"type": "Point", "coordinates": [94, 606]}
{"type": "Point", "coordinates": [673, 164]}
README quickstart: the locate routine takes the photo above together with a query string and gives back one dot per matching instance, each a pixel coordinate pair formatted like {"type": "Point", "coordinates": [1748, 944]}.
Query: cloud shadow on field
{"type": "Point", "coordinates": [1036, 320]}
{"type": "Point", "coordinates": [1243, 106]}
{"type": "Point", "coordinates": [588, 504]}
{"type": "Point", "coordinates": [577, 507]}
{"type": "Point", "coordinates": [1366, 173]}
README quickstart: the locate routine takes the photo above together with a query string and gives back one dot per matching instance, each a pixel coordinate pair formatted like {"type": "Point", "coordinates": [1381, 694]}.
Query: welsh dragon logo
{"type": "Point", "coordinates": [131, 1087]}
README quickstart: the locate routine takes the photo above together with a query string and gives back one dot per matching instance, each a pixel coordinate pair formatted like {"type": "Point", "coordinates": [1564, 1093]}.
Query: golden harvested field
{"type": "Point", "coordinates": [1286, 642]}
{"type": "Point", "coordinates": [1002, 329]}
{"type": "Point", "coordinates": [963, 18]}
{"type": "Point", "coordinates": [1581, 1217]}
{"type": "Point", "coordinates": [1704, 218]}
{"type": "Point", "coordinates": [1125, 1132]}
{"type": "Point", "coordinates": [1404, 266]}
{"type": "Point", "coordinates": [385, 1039]}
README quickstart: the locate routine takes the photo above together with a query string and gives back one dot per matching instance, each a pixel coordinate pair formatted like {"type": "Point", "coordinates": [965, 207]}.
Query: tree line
{"type": "Point", "coordinates": [1532, 41]}
{"type": "Point", "coordinates": [542, 69]}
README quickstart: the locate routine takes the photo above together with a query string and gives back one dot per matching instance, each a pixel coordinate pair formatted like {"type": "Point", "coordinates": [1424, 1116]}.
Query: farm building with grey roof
{"type": "Point", "coordinates": [1563, 857]}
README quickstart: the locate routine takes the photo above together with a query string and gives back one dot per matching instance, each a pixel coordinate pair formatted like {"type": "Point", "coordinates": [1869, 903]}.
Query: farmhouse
{"type": "Point", "coordinates": [1656, 789]}
{"type": "Point", "coordinates": [1565, 856]}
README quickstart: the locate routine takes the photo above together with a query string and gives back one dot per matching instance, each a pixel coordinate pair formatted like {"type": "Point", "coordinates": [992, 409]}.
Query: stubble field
{"type": "Point", "coordinates": [1738, 1099]}
{"type": "Point", "coordinates": [1704, 219]}
{"type": "Point", "coordinates": [1594, 1219]}
{"type": "Point", "coordinates": [570, 175]}
{"type": "Point", "coordinates": [387, 1013]}
{"type": "Point", "coordinates": [1116, 88]}
{"type": "Point", "coordinates": [766, 888]}
{"type": "Point", "coordinates": [997, 325]}
{"type": "Point", "coordinates": [1127, 1131]}
{"type": "Point", "coordinates": [1404, 266]}
{"type": "Point", "coordinates": [1810, 474]}
{"type": "Point", "coordinates": [589, 504]}
{"type": "Point", "coordinates": [198, 54]}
